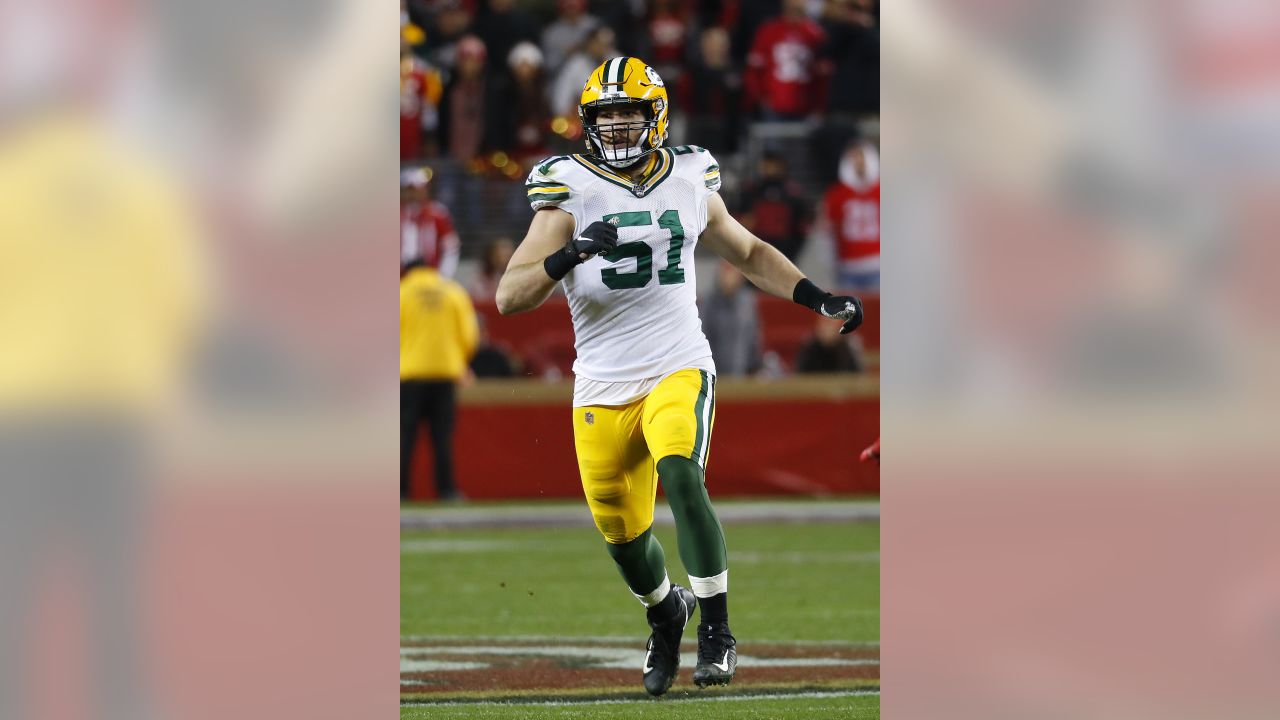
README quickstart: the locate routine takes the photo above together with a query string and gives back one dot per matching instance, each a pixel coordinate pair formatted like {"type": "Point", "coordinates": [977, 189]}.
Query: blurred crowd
{"type": "Point", "coordinates": [495, 83]}
{"type": "Point", "coordinates": [782, 91]}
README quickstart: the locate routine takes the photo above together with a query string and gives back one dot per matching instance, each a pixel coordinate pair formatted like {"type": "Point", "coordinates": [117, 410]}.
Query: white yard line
{"type": "Point", "coordinates": [813, 694]}
{"type": "Point", "coordinates": [559, 514]}
{"type": "Point", "coordinates": [414, 660]}
{"type": "Point", "coordinates": [619, 639]}
{"type": "Point", "coordinates": [781, 557]}
{"type": "Point", "coordinates": [443, 546]}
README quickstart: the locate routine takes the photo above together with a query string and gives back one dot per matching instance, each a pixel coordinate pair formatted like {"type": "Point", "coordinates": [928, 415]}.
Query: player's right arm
{"type": "Point", "coordinates": [531, 275]}
{"type": "Point", "coordinates": [525, 285]}
{"type": "Point", "coordinates": [550, 251]}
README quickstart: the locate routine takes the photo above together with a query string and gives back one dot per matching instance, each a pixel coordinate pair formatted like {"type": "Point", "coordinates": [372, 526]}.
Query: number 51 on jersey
{"type": "Point", "coordinates": [672, 274]}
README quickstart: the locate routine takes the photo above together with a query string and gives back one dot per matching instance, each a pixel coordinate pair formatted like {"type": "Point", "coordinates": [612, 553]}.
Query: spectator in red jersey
{"type": "Point", "coordinates": [785, 74]}
{"type": "Point", "coordinates": [711, 95]}
{"type": "Point", "coordinates": [426, 229]}
{"type": "Point", "coordinates": [852, 209]}
{"type": "Point", "coordinates": [775, 209]}
{"type": "Point", "coordinates": [420, 91]}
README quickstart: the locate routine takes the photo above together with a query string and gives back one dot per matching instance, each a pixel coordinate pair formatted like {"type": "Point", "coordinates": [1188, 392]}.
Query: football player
{"type": "Point", "coordinates": [616, 227]}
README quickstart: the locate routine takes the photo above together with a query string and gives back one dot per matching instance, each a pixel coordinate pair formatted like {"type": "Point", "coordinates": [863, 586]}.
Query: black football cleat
{"type": "Point", "coordinates": [663, 657]}
{"type": "Point", "coordinates": [717, 656]}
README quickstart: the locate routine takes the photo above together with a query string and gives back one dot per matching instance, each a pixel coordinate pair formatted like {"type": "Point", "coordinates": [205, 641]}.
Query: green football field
{"type": "Point", "coordinates": [535, 622]}
{"type": "Point", "coordinates": [859, 707]}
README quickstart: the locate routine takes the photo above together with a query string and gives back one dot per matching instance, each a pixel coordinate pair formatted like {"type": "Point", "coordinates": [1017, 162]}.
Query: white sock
{"type": "Point", "coordinates": [707, 587]}
{"type": "Point", "coordinates": [658, 595]}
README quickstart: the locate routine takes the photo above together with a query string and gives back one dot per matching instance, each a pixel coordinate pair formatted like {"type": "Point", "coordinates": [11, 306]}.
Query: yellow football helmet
{"type": "Point", "coordinates": [624, 81]}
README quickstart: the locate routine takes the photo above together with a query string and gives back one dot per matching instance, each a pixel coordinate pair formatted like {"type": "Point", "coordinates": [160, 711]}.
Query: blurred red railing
{"type": "Point", "coordinates": [543, 337]}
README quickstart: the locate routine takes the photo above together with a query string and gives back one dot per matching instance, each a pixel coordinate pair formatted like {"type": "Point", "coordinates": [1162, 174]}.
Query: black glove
{"type": "Point", "coordinates": [599, 238]}
{"type": "Point", "coordinates": [840, 307]}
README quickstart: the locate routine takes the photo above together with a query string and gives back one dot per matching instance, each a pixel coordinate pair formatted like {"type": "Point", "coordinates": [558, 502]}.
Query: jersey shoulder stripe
{"type": "Point", "coordinates": [544, 166]}
{"type": "Point", "coordinates": [549, 184]}
{"type": "Point", "coordinates": [698, 166]}
{"type": "Point", "coordinates": [711, 177]}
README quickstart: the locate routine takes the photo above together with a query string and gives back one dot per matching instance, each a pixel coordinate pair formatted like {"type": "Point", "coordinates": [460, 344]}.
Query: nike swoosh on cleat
{"type": "Point", "coordinates": [723, 664]}
{"type": "Point", "coordinates": [647, 667]}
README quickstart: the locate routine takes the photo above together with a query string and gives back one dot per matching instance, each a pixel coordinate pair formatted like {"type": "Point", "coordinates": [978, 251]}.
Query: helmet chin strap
{"type": "Point", "coordinates": [625, 163]}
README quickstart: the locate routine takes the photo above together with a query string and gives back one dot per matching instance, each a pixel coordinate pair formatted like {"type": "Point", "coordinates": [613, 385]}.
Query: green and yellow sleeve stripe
{"type": "Point", "coordinates": [546, 192]}
{"type": "Point", "coordinates": [712, 176]}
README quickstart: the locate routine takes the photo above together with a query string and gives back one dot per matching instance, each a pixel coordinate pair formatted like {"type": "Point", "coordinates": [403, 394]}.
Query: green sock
{"type": "Point", "coordinates": [698, 531]}
{"type": "Point", "coordinates": [642, 563]}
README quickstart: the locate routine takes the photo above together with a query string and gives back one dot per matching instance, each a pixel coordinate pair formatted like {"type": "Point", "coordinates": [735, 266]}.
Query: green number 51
{"type": "Point", "coordinates": [672, 274]}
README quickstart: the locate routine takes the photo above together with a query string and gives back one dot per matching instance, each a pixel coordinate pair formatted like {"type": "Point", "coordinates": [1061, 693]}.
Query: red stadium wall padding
{"type": "Point", "coordinates": [785, 325]}
{"type": "Point", "coordinates": [758, 447]}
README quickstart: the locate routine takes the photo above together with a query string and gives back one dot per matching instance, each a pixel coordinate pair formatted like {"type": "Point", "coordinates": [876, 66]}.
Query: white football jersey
{"type": "Point", "coordinates": [635, 313]}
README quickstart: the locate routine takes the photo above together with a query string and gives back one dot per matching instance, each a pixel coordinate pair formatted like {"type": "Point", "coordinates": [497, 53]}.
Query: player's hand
{"type": "Point", "coordinates": [842, 307]}
{"type": "Point", "coordinates": [599, 238]}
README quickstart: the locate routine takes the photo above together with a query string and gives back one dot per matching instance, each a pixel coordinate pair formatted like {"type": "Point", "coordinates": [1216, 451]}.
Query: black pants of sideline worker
{"type": "Point", "coordinates": [435, 403]}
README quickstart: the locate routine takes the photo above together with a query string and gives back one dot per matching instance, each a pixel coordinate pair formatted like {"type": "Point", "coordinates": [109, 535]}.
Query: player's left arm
{"type": "Point", "coordinates": [768, 269]}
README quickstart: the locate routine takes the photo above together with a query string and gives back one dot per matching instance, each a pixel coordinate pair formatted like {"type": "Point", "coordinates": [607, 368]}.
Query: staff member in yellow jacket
{"type": "Point", "coordinates": [438, 335]}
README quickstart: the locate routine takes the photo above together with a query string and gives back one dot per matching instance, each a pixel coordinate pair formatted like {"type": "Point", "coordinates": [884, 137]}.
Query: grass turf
{"type": "Point", "coordinates": [860, 707]}
{"type": "Point", "coordinates": [788, 582]}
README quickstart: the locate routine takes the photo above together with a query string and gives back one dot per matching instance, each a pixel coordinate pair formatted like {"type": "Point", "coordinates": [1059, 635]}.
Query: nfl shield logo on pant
{"type": "Point", "coordinates": [591, 418]}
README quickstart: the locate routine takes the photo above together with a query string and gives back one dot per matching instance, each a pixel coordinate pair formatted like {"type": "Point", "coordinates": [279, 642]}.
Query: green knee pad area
{"type": "Point", "coordinates": [641, 562]}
